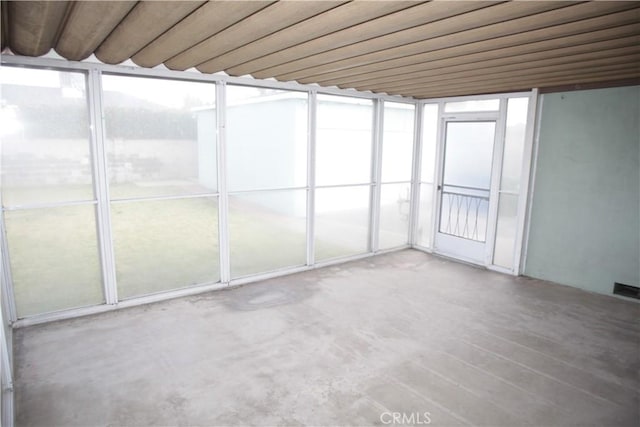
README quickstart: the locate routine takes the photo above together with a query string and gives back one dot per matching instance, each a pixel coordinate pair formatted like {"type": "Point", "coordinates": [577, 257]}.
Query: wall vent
{"type": "Point", "coordinates": [626, 290]}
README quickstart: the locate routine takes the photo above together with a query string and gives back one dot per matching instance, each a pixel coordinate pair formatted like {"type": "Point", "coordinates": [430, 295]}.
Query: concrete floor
{"type": "Point", "coordinates": [347, 345]}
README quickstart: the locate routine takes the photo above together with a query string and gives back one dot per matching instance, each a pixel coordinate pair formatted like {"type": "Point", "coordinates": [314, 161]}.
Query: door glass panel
{"type": "Point", "coordinates": [469, 153]}
{"type": "Point", "coordinates": [467, 179]}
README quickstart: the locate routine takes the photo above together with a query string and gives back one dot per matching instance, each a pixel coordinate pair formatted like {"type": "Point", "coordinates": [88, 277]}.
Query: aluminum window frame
{"type": "Point", "coordinates": [526, 180]}
{"type": "Point", "coordinates": [94, 94]}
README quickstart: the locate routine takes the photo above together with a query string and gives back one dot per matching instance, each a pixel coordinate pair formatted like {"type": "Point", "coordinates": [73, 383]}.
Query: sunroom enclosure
{"type": "Point", "coordinates": [122, 186]}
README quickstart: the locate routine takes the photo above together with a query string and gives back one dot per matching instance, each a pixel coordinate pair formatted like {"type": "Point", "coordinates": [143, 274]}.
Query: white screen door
{"type": "Point", "coordinates": [465, 189]}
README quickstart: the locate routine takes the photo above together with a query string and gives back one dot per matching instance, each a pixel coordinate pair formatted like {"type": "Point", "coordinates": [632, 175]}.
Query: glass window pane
{"type": "Point", "coordinates": [394, 215]}
{"type": "Point", "coordinates": [161, 136]}
{"type": "Point", "coordinates": [342, 222]}
{"type": "Point", "coordinates": [469, 154]}
{"type": "Point", "coordinates": [425, 215]}
{"type": "Point", "coordinates": [54, 257]}
{"type": "Point", "coordinates": [472, 105]}
{"type": "Point", "coordinates": [429, 141]}
{"type": "Point", "coordinates": [267, 231]}
{"type": "Point", "coordinates": [343, 140]}
{"type": "Point", "coordinates": [266, 138]}
{"type": "Point", "coordinates": [165, 244]}
{"type": "Point", "coordinates": [514, 144]}
{"type": "Point", "coordinates": [506, 231]}
{"type": "Point", "coordinates": [46, 152]}
{"type": "Point", "coordinates": [397, 142]}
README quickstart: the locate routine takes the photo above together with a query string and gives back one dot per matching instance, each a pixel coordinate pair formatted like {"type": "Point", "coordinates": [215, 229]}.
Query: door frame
{"type": "Point", "coordinates": [499, 117]}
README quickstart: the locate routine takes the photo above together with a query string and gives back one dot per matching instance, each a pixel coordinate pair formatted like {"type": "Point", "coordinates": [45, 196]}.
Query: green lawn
{"type": "Point", "coordinates": [159, 245]}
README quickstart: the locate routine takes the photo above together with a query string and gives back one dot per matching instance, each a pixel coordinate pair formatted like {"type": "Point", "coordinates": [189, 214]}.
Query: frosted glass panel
{"type": "Point", "coordinates": [514, 144]}
{"type": "Point", "coordinates": [469, 154]}
{"type": "Point", "coordinates": [475, 105]}
{"type": "Point", "coordinates": [425, 215]}
{"type": "Point", "coordinates": [341, 222]}
{"type": "Point", "coordinates": [46, 153]}
{"type": "Point", "coordinates": [397, 142]}
{"type": "Point", "coordinates": [266, 138]}
{"type": "Point", "coordinates": [267, 231]}
{"type": "Point", "coordinates": [429, 141]}
{"type": "Point", "coordinates": [54, 258]}
{"type": "Point", "coordinates": [394, 215]}
{"type": "Point", "coordinates": [165, 244]}
{"type": "Point", "coordinates": [506, 231]}
{"type": "Point", "coordinates": [161, 136]}
{"type": "Point", "coordinates": [343, 140]}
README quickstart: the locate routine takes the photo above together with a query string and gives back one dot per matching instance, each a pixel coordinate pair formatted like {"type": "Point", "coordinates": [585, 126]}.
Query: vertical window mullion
{"type": "Point", "coordinates": [378, 128]}
{"type": "Point", "coordinates": [415, 180]}
{"type": "Point", "coordinates": [101, 185]}
{"type": "Point", "coordinates": [9, 302]}
{"type": "Point", "coordinates": [311, 176]}
{"type": "Point", "coordinates": [496, 173]}
{"type": "Point", "coordinates": [223, 197]}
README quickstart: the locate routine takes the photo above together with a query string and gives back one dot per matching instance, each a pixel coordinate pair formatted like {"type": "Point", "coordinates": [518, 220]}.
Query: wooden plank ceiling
{"type": "Point", "coordinates": [409, 48]}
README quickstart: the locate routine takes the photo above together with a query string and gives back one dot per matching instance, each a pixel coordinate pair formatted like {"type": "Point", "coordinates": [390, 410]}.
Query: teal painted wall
{"type": "Point", "coordinates": [585, 217]}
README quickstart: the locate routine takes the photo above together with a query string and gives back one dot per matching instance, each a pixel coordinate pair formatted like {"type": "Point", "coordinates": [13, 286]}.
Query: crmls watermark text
{"type": "Point", "coordinates": [413, 418]}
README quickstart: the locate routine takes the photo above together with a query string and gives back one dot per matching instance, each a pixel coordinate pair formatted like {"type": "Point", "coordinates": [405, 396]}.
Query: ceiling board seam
{"type": "Point", "coordinates": [338, 4]}
{"type": "Point", "coordinates": [599, 85]}
{"type": "Point", "coordinates": [502, 21]}
{"type": "Point", "coordinates": [63, 23]}
{"type": "Point", "coordinates": [116, 26]}
{"type": "Point", "coordinates": [540, 50]}
{"type": "Point", "coordinates": [168, 29]}
{"type": "Point", "coordinates": [377, 37]}
{"type": "Point", "coordinates": [621, 60]}
{"type": "Point", "coordinates": [267, 4]}
{"type": "Point", "coordinates": [4, 10]}
{"type": "Point", "coordinates": [534, 83]}
{"type": "Point", "coordinates": [330, 34]}
{"type": "Point", "coordinates": [382, 62]}
{"type": "Point", "coordinates": [489, 39]}
{"type": "Point", "coordinates": [289, 29]}
{"type": "Point", "coordinates": [489, 68]}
